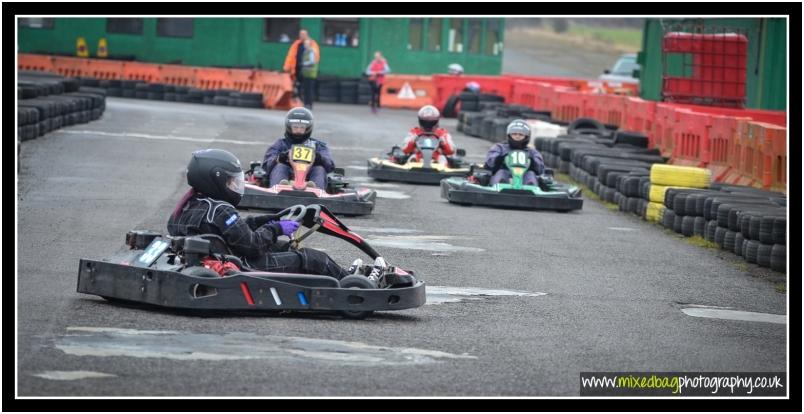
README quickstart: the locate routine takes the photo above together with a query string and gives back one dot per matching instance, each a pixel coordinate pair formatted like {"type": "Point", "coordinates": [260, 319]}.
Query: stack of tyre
{"type": "Point", "coordinates": [746, 221]}
{"type": "Point", "coordinates": [666, 177]}
{"type": "Point", "coordinates": [47, 101]}
{"type": "Point", "coordinates": [173, 93]}
{"type": "Point", "coordinates": [613, 164]}
{"type": "Point", "coordinates": [467, 101]}
{"type": "Point", "coordinates": [343, 90]}
{"type": "Point", "coordinates": [493, 117]}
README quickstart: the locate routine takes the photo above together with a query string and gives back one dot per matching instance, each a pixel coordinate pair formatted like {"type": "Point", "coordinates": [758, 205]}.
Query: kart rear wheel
{"type": "Point", "coordinates": [356, 282]}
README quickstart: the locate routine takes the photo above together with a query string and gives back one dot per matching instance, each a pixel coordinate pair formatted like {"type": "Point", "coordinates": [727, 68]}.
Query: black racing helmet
{"type": "Point", "coordinates": [518, 126]}
{"type": "Point", "coordinates": [302, 119]}
{"type": "Point", "coordinates": [429, 117]}
{"type": "Point", "coordinates": [217, 174]}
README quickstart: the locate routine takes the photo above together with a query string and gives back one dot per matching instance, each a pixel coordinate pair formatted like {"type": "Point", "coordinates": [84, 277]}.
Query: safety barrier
{"type": "Point", "coordinates": [448, 85]}
{"type": "Point", "coordinates": [276, 87]}
{"type": "Point", "coordinates": [691, 134]}
{"type": "Point", "coordinates": [724, 145]}
{"type": "Point", "coordinates": [407, 91]}
{"type": "Point", "coordinates": [740, 146]}
{"type": "Point", "coordinates": [763, 156]}
{"type": "Point", "coordinates": [178, 75]}
{"type": "Point", "coordinates": [639, 116]}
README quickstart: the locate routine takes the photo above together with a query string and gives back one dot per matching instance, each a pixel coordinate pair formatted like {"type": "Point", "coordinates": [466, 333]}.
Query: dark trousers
{"type": "Point", "coordinates": [375, 94]}
{"type": "Point", "coordinates": [317, 174]}
{"type": "Point", "coordinates": [308, 92]}
{"type": "Point", "coordinates": [304, 260]}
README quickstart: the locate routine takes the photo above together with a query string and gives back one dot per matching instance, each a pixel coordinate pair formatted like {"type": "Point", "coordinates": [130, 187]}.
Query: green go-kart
{"type": "Point", "coordinates": [546, 195]}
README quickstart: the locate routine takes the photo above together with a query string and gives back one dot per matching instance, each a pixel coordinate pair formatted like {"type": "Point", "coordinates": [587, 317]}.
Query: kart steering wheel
{"type": "Point", "coordinates": [298, 213]}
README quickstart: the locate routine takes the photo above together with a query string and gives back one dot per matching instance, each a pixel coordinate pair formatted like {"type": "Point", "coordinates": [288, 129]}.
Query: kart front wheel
{"type": "Point", "coordinates": [356, 282]}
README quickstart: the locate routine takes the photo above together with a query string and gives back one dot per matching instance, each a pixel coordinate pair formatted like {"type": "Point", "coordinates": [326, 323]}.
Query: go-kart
{"type": "Point", "coordinates": [201, 273]}
{"type": "Point", "coordinates": [547, 195]}
{"type": "Point", "coordinates": [338, 197]}
{"type": "Point", "coordinates": [399, 166]}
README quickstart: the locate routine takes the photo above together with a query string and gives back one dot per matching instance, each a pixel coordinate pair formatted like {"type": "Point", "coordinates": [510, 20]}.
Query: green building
{"type": "Point", "coordinates": [766, 57]}
{"type": "Point", "coordinates": [347, 45]}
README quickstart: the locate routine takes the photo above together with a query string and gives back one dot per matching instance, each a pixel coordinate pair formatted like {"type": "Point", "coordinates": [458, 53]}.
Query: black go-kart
{"type": "Point", "coordinates": [201, 273]}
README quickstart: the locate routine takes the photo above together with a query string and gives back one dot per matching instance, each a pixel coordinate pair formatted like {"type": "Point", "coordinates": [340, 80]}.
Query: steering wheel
{"type": "Point", "coordinates": [299, 213]}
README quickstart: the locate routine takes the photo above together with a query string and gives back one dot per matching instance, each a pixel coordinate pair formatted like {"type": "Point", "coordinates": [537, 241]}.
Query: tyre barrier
{"type": "Point", "coordinates": [673, 175]}
{"type": "Point", "coordinates": [48, 101]}
{"type": "Point", "coordinates": [743, 220]}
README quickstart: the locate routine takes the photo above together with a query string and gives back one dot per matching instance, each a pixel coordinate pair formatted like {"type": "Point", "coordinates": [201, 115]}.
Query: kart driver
{"type": "Point", "coordinates": [518, 133]}
{"type": "Point", "coordinates": [298, 128]}
{"type": "Point", "coordinates": [209, 207]}
{"type": "Point", "coordinates": [428, 125]}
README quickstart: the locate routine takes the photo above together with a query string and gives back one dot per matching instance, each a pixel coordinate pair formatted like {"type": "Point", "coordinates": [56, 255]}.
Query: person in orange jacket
{"type": "Point", "coordinates": [295, 58]}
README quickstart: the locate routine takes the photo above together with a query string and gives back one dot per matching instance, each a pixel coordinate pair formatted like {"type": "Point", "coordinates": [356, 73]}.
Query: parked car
{"type": "Point", "coordinates": [622, 71]}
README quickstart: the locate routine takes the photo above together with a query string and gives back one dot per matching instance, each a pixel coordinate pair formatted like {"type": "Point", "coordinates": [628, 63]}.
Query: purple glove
{"type": "Point", "coordinates": [288, 226]}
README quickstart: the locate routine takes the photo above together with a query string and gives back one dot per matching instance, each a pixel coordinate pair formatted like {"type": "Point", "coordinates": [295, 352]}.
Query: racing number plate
{"type": "Point", "coordinates": [518, 159]}
{"type": "Point", "coordinates": [300, 153]}
{"type": "Point", "coordinates": [152, 252]}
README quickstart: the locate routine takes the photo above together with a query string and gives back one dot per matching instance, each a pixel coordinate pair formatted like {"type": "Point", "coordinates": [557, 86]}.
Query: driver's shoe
{"type": "Point", "coordinates": [378, 269]}
{"type": "Point", "coordinates": [284, 182]}
{"type": "Point", "coordinates": [311, 184]}
{"type": "Point", "coordinates": [354, 269]}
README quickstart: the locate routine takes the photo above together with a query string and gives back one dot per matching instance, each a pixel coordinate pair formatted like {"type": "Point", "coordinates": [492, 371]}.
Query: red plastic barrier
{"type": "Point", "coordinates": [146, 72]}
{"type": "Point", "coordinates": [26, 61]}
{"type": "Point", "coordinates": [691, 134]}
{"type": "Point", "coordinates": [763, 160]}
{"type": "Point", "coordinates": [576, 83]}
{"type": "Point", "coordinates": [523, 92]}
{"type": "Point", "coordinates": [212, 78]}
{"type": "Point", "coordinates": [772, 117]}
{"type": "Point", "coordinates": [104, 69]}
{"type": "Point", "coordinates": [448, 85]}
{"type": "Point", "coordinates": [724, 145]}
{"type": "Point", "coordinates": [178, 75]}
{"type": "Point", "coordinates": [639, 115]}
{"type": "Point", "coordinates": [571, 105]}
{"type": "Point", "coordinates": [70, 67]}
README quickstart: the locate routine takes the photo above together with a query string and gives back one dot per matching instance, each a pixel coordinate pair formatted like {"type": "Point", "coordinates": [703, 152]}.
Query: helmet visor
{"type": "Point", "coordinates": [237, 183]}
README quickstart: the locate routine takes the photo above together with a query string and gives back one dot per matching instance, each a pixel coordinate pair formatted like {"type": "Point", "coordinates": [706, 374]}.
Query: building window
{"type": "Point", "coordinates": [434, 35]}
{"type": "Point", "coordinates": [281, 30]}
{"type": "Point", "coordinates": [125, 26]}
{"type": "Point", "coordinates": [174, 27]}
{"type": "Point", "coordinates": [36, 22]}
{"type": "Point", "coordinates": [415, 29]}
{"type": "Point", "coordinates": [493, 41]}
{"type": "Point", "coordinates": [341, 32]}
{"type": "Point", "coordinates": [474, 35]}
{"type": "Point", "coordinates": [456, 35]}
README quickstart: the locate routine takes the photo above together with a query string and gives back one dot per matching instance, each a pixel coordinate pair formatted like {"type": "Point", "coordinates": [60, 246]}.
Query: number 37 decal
{"type": "Point", "coordinates": [300, 153]}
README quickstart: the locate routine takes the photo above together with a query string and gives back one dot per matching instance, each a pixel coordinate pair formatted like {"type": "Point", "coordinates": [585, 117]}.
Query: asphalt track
{"type": "Point", "coordinates": [592, 290]}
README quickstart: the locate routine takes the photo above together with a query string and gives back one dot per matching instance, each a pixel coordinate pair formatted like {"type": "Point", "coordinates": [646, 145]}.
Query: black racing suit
{"type": "Point", "coordinates": [252, 238]}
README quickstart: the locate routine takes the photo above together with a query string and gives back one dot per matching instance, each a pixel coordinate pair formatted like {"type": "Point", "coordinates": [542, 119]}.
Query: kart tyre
{"type": "Point", "coordinates": [356, 282]}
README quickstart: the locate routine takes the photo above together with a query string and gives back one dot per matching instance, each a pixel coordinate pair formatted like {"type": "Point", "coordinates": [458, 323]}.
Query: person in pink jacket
{"type": "Point", "coordinates": [376, 71]}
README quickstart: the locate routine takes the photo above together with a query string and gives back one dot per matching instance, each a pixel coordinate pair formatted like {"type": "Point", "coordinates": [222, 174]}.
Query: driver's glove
{"type": "Point", "coordinates": [283, 158]}
{"type": "Point", "coordinates": [286, 227]}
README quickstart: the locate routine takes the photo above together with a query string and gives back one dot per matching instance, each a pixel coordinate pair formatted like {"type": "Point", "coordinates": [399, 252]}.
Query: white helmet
{"type": "Point", "coordinates": [455, 69]}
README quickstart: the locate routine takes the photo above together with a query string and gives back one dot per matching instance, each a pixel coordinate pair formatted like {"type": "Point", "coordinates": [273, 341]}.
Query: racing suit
{"type": "Point", "coordinates": [252, 238]}
{"type": "Point", "coordinates": [277, 171]}
{"type": "Point", "coordinates": [495, 162]}
{"type": "Point", "coordinates": [445, 145]}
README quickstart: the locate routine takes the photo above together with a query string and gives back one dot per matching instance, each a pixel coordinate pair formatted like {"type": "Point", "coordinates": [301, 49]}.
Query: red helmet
{"type": "Point", "coordinates": [428, 117]}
